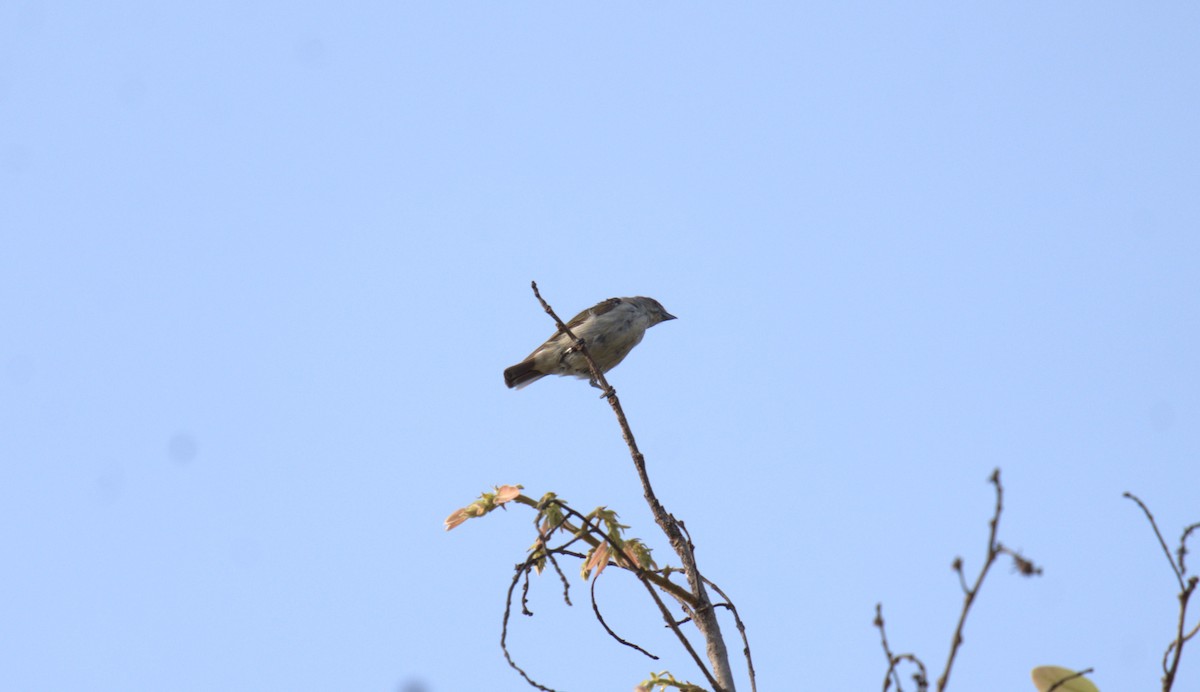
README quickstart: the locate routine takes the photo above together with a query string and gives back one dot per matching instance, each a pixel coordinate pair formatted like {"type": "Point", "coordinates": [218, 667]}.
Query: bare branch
{"type": "Point", "coordinates": [1187, 587]}
{"type": "Point", "coordinates": [1158, 534]}
{"type": "Point", "coordinates": [522, 569]}
{"type": "Point", "coordinates": [662, 582]}
{"type": "Point", "coordinates": [1059, 683]}
{"type": "Point", "coordinates": [596, 610]}
{"type": "Point", "coordinates": [921, 677]}
{"type": "Point", "coordinates": [1182, 550]}
{"type": "Point", "coordinates": [737, 619]}
{"type": "Point", "coordinates": [687, 645]}
{"type": "Point", "coordinates": [1180, 639]}
{"type": "Point", "coordinates": [957, 566]}
{"type": "Point", "coordinates": [994, 550]}
{"type": "Point", "coordinates": [562, 577]}
{"type": "Point", "coordinates": [578, 534]}
{"type": "Point", "coordinates": [970, 593]}
{"type": "Point", "coordinates": [887, 652]}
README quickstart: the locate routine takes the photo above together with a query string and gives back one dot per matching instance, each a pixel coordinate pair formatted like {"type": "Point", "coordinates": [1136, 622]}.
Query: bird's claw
{"type": "Point", "coordinates": [573, 348]}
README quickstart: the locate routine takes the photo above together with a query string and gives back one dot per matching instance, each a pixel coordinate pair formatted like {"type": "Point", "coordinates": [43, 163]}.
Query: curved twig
{"type": "Point", "coordinates": [614, 635]}
{"type": "Point", "coordinates": [894, 660]}
{"type": "Point", "coordinates": [921, 677]}
{"type": "Point", "coordinates": [562, 577]}
{"type": "Point", "coordinates": [521, 569]}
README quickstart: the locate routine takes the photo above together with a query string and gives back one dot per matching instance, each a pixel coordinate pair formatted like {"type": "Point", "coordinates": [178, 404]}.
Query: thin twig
{"type": "Point", "coordinates": [614, 635]}
{"type": "Point", "coordinates": [525, 593]}
{"type": "Point", "coordinates": [957, 566]}
{"type": "Point", "coordinates": [1158, 534]}
{"type": "Point", "coordinates": [1174, 652]}
{"type": "Point", "coordinates": [521, 569]}
{"type": "Point", "coordinates": [1060, 683]}
{"type": "Point", "coordinates": [543, 537]}
{"type": "Point", "coordinates": [645, 578]}
{"type": "Point", "coordinates": [1178, 643]}
{"type": "Point", "coordinates": [1180, 639]}
{"type": "Point", "coordinates": [737, 619]}
{"type": "Point", "coordinates": [593, 534]}
{"type": "Point", "coordinates": [687, 645]}
{"type": "Point", "coordinates": [661, 581]}
{"type": "Point", "coordinates": [1182, 551]}
{"type": "Point", "coordinates": [887, 651]}
{"type": "Point", "coordinates": [676, 591]}
{"type": "Point", "coordinates": [993, 550]}
{"type": "Point", "coordinates": [921, 677]}
{"type": "Point", "coordinates": [562, 577]}
{"type": "Point", "coordinates": [1193, 632]}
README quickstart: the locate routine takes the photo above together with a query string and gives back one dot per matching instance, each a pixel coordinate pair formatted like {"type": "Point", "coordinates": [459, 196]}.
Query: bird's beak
{"type": "Point", "coordinates": [668, 316]}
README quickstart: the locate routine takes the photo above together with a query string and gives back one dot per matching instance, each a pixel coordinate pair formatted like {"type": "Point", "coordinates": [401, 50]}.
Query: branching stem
{"type": "Point", "coordinates": [705, 615]}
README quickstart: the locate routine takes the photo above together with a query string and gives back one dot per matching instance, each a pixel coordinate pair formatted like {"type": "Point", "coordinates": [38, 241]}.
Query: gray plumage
{"type": "Point", "coordinates": [610, 329]}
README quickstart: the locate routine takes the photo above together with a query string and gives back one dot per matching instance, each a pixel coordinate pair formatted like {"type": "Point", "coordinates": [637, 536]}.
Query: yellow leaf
{"type": "Point", "coordinates": [1044, 678]}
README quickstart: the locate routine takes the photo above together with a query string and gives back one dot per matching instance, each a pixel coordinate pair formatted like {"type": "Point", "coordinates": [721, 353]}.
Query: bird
{"type": "Point", "coordinates": [610, 329]}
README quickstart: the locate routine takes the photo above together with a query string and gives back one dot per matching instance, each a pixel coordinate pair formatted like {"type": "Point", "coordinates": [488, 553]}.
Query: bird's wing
{"type": "Point", "coordinates": [597, 309]}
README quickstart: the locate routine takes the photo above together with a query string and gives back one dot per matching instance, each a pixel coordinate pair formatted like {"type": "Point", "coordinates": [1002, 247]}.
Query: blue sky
{"type": "Point", "coordinates": [264, 264]}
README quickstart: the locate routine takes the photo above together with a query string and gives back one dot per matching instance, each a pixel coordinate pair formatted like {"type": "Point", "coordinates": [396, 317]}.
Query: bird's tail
{"type": "Point", "coordinates": [522, 374]}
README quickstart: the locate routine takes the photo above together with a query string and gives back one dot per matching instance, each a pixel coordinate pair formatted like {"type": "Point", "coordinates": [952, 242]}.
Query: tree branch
{"type": "Point", "coordinates": [1187, 587]}
{"type": "Point", "coordinates": [706, 619]}
{"type": "Point", "coordinates": [993, 551]}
